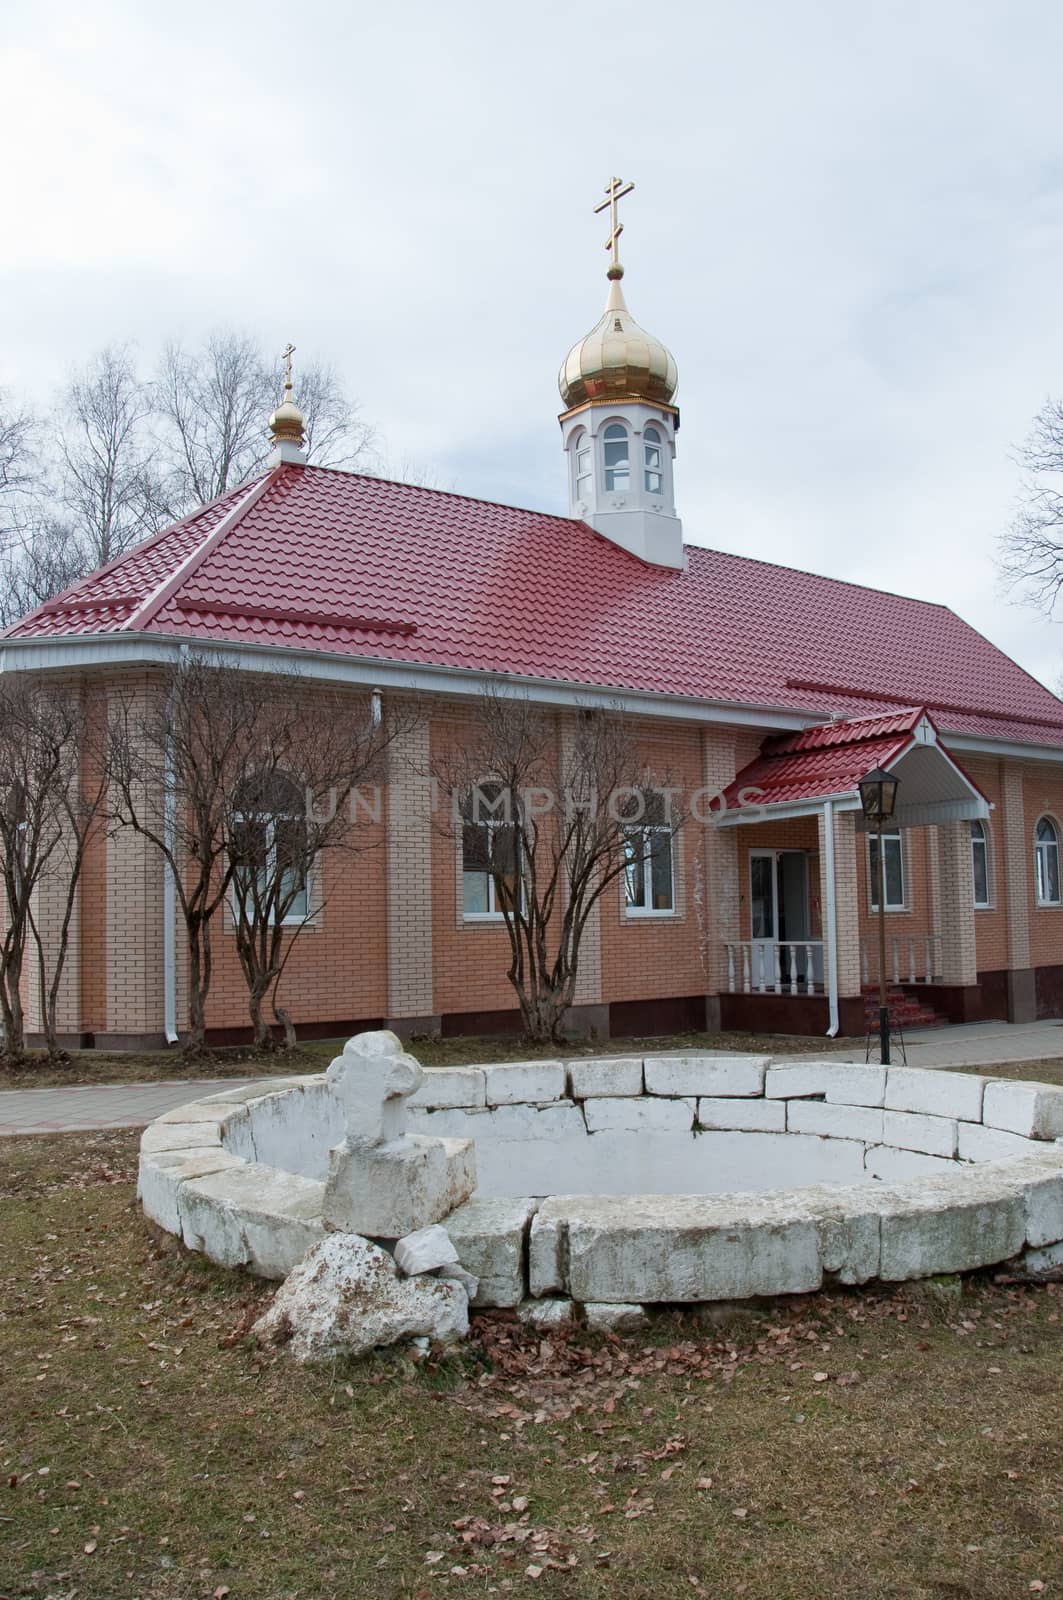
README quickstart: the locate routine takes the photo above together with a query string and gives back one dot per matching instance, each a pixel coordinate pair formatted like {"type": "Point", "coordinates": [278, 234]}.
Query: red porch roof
{"type": "Point", "coordinates": [326, 561]}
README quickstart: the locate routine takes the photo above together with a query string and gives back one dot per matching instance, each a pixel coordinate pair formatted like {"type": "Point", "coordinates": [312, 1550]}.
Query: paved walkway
{"type": "Point", "coordinates": [102, 1105]}
{"type": "Point", "coordinates": [133, 1105]}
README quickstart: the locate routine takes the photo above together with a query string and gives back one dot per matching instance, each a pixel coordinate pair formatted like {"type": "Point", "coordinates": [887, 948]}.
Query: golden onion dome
{"type": "Point", "coordinates": [618, 360]}
{"type": "Point", "coordinates": [287, 422]}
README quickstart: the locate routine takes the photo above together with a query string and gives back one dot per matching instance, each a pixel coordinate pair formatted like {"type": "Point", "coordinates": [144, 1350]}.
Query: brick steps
{"type": "Point", "coordinates": [904, 1010]}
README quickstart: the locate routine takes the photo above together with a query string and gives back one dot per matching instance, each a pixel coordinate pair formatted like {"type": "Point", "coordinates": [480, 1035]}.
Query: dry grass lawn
{"type": "Point", "coordinates": [906, 1445]}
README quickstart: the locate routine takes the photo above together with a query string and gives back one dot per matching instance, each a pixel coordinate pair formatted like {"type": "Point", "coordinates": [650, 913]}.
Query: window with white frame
{"type": "Point", "coordinates": [583, 466]}
{"type": "Point", "coordinates": [268, 849]}
{"type": "Point", "coordinates": [980, 863]}
{"type": "Point", "coordinates": [488, 852]}
{"type": "Point", "coordinates": [1046, 863]}
{"type": "Point", "coordinates": [616, 457]}
{"type": "Point", "coordinates": [649, 875]}
{"type": "Point", "coordinates": [652, 460]}
{"type": "Point", "coordinates": [893, 864]}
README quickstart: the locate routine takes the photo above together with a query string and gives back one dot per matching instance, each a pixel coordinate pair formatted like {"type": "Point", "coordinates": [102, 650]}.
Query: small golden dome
{"type": "Point", "coordinates": [287, 422]}
{"type": "Point", "coordinates": [618, 360]}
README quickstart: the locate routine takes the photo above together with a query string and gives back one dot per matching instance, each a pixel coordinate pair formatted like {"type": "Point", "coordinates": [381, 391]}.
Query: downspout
{"type": "Point", "coordinates": [832, 919]}
{"type": "Point", "coordinates": [169, 898]}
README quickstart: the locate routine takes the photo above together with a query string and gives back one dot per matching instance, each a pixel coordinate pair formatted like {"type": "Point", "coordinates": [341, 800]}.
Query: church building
{"type": "Point", "coordinates": [774, 691]}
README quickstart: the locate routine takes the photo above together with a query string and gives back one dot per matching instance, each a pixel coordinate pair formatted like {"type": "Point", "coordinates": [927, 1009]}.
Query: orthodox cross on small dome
{"type": "Point", "coordinates": [286, 357]}
{"type": "Point", "coordinates": [615, 190]}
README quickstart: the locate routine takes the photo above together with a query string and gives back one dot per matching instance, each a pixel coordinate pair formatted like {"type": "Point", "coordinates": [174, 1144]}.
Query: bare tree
{"type": "Point", "coordinates": [53, 786]}
{"type": "Point", "coordinates": [41, 558]}
{"type": "Point", "coordinates": [549, 813]}
{"type": "Point", "coordinates": [107, 484]}
{"type": "Point", "coordinates": [301, 803]}
{"type": "Point", "coordinates": [19, 462]}
{"type": "Point", "coordinates": [1032, 549]}
{"type": "Point", "coordinates": [213, 405]}
{"type": "Point", "coordinates": [240, 781]}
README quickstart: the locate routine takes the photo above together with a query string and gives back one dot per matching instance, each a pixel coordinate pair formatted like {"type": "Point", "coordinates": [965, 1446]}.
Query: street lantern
{"type": "Point", "coordinates": [878, 795]}
{"type": "Point", "coordinates": [878, 798]}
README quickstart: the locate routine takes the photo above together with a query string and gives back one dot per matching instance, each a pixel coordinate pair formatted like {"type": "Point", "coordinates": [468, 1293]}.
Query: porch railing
{"type": "Point", "coordinates": [910, 958]}
{"type": "Point", "coordinates": [765, 967]}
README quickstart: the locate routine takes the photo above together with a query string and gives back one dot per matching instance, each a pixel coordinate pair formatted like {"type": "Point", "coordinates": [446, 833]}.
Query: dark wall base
{"type": "Point", "coordinates": [414, 1027]}
{"type": "Point", "coordinates": [1048, 992]}
{"type": "Point", "coordinates": [642, 1019]}
{"type": "Point", "coordinates": [791, 1013]}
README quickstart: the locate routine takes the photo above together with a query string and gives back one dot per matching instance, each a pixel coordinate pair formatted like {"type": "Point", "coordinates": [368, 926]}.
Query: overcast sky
{"type": "Point", "coordinates": [847, 225]}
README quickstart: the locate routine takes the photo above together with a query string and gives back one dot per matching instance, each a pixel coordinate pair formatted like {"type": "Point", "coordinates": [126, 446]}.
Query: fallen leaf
{"type": "Point", "coordinates": [533, 1572]}
{"type": "Point", "coordinates": [820, 1377]}
{"type": "Point", "coordinates": [703, 1483]}
{"type": "Point", "coordinates": [91, 1546]}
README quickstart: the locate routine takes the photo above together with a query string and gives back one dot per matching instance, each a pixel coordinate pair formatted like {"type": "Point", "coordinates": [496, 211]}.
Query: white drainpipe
{"type": "Point", "coordinates": [169, 908]}
{"type": "Point", "coordinates": [832, 918]}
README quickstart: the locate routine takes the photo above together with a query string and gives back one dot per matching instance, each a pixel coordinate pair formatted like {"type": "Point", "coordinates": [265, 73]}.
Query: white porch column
{"type": "Point", "coordinates": [409, 878]}
{"type": "Point", "coordinates": [716, 902]}
{"type": "Point", "coordinates": [847, 845]}
{"type": "Point", "coordinates": [1015, 869]}
{"type": "Point", "coordinates": [959, 963]}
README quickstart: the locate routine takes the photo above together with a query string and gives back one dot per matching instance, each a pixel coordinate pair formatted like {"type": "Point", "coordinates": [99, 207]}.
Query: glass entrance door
{"type": "Point", "coordinates": [764, 915]}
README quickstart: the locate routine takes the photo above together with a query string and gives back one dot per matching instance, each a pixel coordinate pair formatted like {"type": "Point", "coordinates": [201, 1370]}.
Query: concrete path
{"type": "Point", "coordinates": [102, 1105]}
{"type": "Point", "coordinates": [975, 1044]}
{"type": "Point", "coordinates": [981, 1045]}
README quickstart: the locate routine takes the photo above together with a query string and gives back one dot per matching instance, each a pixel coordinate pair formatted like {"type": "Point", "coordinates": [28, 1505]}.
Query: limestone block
{"type": "Point", "coordinates": [808, 1078]}
{"type": "Point", "coordinates": [1046, 1263]}
{"type": "Point", "coordinates": [1034, 1110]}
{"type": "Point", "coordinates": [384, 1191]}
{"type": "Point", "coordinates": [649, 1248]}
{"type": "Point", "coordinates": [909, 1130]}
{"type": "Point", "coordinates": [200, 1111]}
{"type": "Point", "coordinates": [511, 1123]}
{"type": "Point", "coordinates": [976, 1143]}
{"type": "Point", "coordinates": [294, 1130]}
{"type": "Point", "coordinates": [444, 1087]}
{"type": "Point", "coordinates": [546, 1313]}
{"type": "Point", "coordinates": [883, 1161]}
{"type": "Point", "coordinates": [513, 1081]}
{"type": "Point", "coordinates": [722, 1076]}
{"type": "Point", "coordinates": [546, 1245]}
{"type": "Point", "coordinates": [241, 1094]}
{"type": "Point", "coordinates": [954, 1223]}
{"type": "Point", "coordinates": [490, 1237]}
{"type": "Point", "coordinates": [597, 1079]}
{"type": "Point", "coordinates": [253, 1216]}
{"type": "Point", "coordinates": [855, 1085]}
{"type": "Point", "coordinates": [643, 1115]}
{"type": "Point", "coordinates": [1041, 1181]}
{"type": "Point", "coordinates": [158, 1136]}
{"type": "Point", "coordinates": [744, 1116]}
{"type": "Point", "coordinates": [346, 1299]}
{"type": "Point", "coordinates": [614, 1319]}
{"type": "Point", "coordinates": [160, 1177]}
{"type": "Point", "coordinates": [940, 1094]}
{"type": "Point", "coordinates": [371, 1080]}
{"type": "Point", "coordinates": [849, 1227]}
{"type": "Point", "coordinates": [834, 1121]}
{"type": "Point", "coordinates": [424, 1251]}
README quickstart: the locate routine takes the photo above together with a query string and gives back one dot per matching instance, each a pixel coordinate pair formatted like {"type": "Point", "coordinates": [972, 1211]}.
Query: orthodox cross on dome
{"type": "Point", "coordinates": [615, 190]}
{"type": "Point", "coordinates": [286, 357]}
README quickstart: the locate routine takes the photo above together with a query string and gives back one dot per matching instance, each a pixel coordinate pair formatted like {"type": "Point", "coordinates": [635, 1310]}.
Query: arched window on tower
{"type": "Point", "coordinates": [652, 459]}
{"type": "Point", "coordinates": [617, 457]}
{"type": "Point", "coordinates": [583, 468]}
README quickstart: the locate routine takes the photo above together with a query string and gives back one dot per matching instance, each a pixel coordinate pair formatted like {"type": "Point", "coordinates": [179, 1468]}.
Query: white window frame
{"type": "Point", "coordinates": [655, 443]}
{"type": "Point", "coordinates": [270, 819]}
{"type": "Point", "coordinates": [583, 478]}
{"type": "Point", "coordinates": [607, 478]}
{"type": "Point", "coordinates": [980, 841]}
{"type": "Point", "coordinates": [492, 824]}
{"type": "Point", "coordinates": [646, 833]}
{"type": "Point", "coordinates": [872, 871]}
{"type": "Point", "coordinates": [1042, 849]}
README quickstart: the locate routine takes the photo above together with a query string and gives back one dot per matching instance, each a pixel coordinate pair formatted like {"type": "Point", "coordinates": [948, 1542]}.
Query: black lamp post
{"type": "Point", "coordinates": [878, 796]}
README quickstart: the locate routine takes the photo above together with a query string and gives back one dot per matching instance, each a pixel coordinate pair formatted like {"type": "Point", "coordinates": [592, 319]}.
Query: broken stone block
{"type": "Point", "coordinates": [545, 1313]}
{"type": "Point", "coordinates": [602, 1318]}
{"type": "Point", "coordinates": [490, 1236]}
{"type": "Point", "coordinates": [424, 1251]}
{"type": "Point", "coordinates": [346, 1298]}
{"type": "Point", "coordinates": [470, 1283]}
{"type": "Point", "coordinates": [388, 1190]}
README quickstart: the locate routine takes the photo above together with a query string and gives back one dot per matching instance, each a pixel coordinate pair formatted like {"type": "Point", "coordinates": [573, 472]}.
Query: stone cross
{"type": "Point", "coordinates": [372, 1080]}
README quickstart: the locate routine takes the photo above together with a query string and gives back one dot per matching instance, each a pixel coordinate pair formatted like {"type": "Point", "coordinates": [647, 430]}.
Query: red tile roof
{"type": "Point", "coordinates": [824, 761]}
{"type": "Point", "coordinates": [322, 560]}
